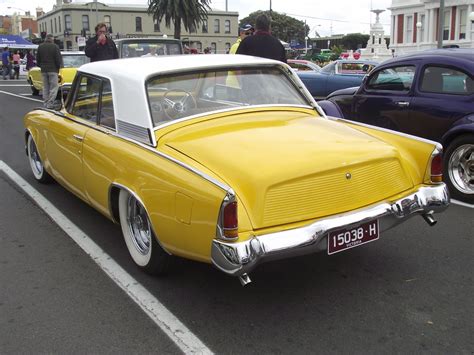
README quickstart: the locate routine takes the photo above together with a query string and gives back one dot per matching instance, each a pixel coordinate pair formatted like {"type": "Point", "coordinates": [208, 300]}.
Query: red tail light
{"type": "Point", "coordinates": [230, 220]}
{"type": "Point", "coordinates": [437, 168]}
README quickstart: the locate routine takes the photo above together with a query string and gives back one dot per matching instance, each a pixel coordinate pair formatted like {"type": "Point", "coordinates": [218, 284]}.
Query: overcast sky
{"type": "Point", "coordinates": [328, 17]}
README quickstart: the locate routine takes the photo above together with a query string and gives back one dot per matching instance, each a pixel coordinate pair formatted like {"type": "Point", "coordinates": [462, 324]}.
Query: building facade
{"type": "Point", "coordinates": [414, 24]}
{"type": "Point", "coordinates": [69, 21]}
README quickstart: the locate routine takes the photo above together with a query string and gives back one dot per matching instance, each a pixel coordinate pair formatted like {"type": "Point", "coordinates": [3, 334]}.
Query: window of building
{"type": "Point", "coordinates": [55, 25]}
{"type": "Point", "coordinates": [50, 26]}
{"type": "Point", "coordinates": [204, 26]}
{"type": "Point", "coordinates": [446, 25]}
{"type": "Point", "coordinates": [156, 25]}
{"type": "Point", "coordinates": [409, 30]}
{"type": "Point", "coordinates": [213, 47]}
{"type": "Point", "coordinates": [462, 23]}
{"type": "Point", "coordinates": [85, 22]}
{"type": "Point", "coordinates": [69, 45]}
{"type": "Point", "coordinates": [444, 80]}
{"type": "Point", "coordinates": [227, 47]}
{"type": "Point", "coordinates": [59, 23]}
{"type": "Point", "coordinates": [227, 26]}
{"type": "Point", "coordinates": [422, 29]}
{"type": "Point", "coordinates": [217, 25]}
{"type": "Point", "coordinates": [107, 21]}
{"type": "Point", "coordinates": [199, 47]}
{"type": "Point", "coordinates": [138, 24]}
{"type": "Point", "coordinates": [68, 22]}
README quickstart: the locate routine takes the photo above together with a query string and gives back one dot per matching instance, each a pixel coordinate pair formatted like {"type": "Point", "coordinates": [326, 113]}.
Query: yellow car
{"type": "Point", "coordinates": [71, 60]}
{"type": "Point", "coordinates": [228, 175]}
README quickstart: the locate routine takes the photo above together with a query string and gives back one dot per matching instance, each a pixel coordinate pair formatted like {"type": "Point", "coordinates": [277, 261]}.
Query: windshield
{"type": "Point", "coordinates": [178, 96]}
{"type": "Point", "coordinates": [152, 48]}
{"type": "Point", "coordinates": [74, 60]}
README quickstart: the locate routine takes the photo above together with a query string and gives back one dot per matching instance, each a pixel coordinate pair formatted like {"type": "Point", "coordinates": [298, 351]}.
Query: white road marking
{"type": "Point", "coordinates": [464, 204]}
{"type": "Point", "coordinates": [21, 97]}
{"type": "Point", "coordinates": [168, 323]}
{"type": "Point", "coordinates": [14, 85]}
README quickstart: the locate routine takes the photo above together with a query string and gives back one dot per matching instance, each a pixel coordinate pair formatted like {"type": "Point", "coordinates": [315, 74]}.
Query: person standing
{"type": "Point", "coordinates": [244, 31]}
{"type": "Point", "coordinates": [262, 43]}
{"type": "Point", "coordinates": [30, 60]}
{"type": "Point", "coordinates": [5, 63]}
{"type": "Point", "coordinates": [101, 47]}
{"type": "Point", "coordinates": [16, 65]}
{"type": "Point", "coordinates": [49, 59]}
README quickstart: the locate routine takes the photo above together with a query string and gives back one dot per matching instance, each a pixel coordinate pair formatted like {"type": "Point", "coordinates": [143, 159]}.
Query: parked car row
{"type": "Point", "coordinates": [428, 94]}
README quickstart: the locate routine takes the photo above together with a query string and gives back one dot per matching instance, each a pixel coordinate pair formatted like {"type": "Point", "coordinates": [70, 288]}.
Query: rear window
{"type": "Point", "coordinates": [141, 49]}
{"type": "Point", "coordinates": [444, 80]}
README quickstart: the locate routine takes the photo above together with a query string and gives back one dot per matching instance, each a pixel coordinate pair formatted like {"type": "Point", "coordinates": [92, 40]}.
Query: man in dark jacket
{"type": "Point", "coordinates": [101, 47]}
{"type": "Point", "coordinates": [49, 59]}
{"type": "Point", "coordinates": [262, 43]}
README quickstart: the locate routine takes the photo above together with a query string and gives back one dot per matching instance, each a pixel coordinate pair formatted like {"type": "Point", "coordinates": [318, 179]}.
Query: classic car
{"type": "Point", "coordinates": [229, 175]}
{"type": "Point", "coordinates": [303, 65]}
{"type": "Point", "coordinates": [428, 94]}
{"type": "Point", "coordinates": [71, 61]}
{"type": "Point", "coordinates": [339, 74]}
{"type": "Point", "coordinates": [147, 46]}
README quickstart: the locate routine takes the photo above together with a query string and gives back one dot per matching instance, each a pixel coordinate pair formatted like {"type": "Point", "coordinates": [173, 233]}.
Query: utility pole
{"type": "Point", "coordinates": [440, 24]}
{"type": "Point", "coordinates": [270, 10]}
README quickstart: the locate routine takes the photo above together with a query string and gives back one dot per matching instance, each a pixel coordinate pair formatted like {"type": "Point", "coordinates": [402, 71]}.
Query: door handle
{"type": "Point", "coordinates": [78, 137]}
{"type": "Point", "coordinates": [403, 103]}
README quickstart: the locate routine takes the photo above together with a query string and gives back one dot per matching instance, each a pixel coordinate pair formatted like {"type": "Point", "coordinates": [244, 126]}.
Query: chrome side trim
{"type": "Point", "coordinates": [406, 135]}
{"type": "Point", "coordinates": [238, 259]}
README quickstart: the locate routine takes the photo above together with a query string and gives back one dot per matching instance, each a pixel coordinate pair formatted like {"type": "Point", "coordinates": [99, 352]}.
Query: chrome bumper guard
{"type": "Point", "coordinates": [238, 259]}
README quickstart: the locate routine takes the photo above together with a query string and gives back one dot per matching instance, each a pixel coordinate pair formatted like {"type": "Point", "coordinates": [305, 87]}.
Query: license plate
{"type": "Point", "coordinates": [344, 239]}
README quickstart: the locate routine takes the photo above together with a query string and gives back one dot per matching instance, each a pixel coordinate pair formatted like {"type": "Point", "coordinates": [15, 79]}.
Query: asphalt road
{"type": "Point", "coordinates": [409, 292]}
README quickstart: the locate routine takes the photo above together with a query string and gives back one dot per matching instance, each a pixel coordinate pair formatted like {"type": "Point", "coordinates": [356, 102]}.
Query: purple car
{"type": "Point", "coordinates": [429, 94]}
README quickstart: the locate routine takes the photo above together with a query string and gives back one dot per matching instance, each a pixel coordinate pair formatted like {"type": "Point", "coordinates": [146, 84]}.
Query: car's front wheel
{"type": "Point", "coordinates": [139, 236]}
{"type": "Point", "coordinates": [34, 90]}
{"type": "Point", "coordinates": [459, 168]}
{"type": "Point", "coordinates": [36, 163]}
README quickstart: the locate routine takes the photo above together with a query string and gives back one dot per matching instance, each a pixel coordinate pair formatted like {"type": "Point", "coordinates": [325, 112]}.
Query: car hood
{"type": "Point", "coordinates": [348, 91]}
{"type": "Point", "coordinates": [289, 166]}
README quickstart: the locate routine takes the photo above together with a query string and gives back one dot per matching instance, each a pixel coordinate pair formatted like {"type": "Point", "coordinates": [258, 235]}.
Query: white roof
{"type": "Point", "coordinates": [128, 75]}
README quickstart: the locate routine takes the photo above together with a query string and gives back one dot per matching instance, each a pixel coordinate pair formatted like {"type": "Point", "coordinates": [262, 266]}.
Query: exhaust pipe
{"type": "Point", "coordinates": [244, 279]}
{"type": "Point", "coordinates": [428, 217]}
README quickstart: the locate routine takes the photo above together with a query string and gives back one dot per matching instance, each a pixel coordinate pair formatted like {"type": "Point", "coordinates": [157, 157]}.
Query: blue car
{"type": "Point", "coordinates": [429, 94]}
{"type": "Point", "coordinates": [337, 75]}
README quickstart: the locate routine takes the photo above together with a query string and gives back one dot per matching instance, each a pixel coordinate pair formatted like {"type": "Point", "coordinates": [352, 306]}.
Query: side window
{"type": "Point", "coordinates": [394, 79]}
{"type": "Point", "coordinates": [107, 117]}
{"type": "Point", "coordinates": [86, 98]}
{"type": "Point", "coordinates": [446, 81]}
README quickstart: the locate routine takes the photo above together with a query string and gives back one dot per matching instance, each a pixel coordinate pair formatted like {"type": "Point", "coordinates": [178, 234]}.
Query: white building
{"type": "Point", "coordinates": [414, 24]}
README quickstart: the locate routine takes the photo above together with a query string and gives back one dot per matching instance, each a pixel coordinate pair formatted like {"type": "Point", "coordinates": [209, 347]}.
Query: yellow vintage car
{"type": "Point", "coordinates": [71, 60]}
{"type": "Point", "coordinates": [229, 175]}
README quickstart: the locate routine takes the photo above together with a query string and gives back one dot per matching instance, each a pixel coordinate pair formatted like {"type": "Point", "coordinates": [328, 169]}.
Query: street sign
{"type": "Point", "coordinates": [81, 41]}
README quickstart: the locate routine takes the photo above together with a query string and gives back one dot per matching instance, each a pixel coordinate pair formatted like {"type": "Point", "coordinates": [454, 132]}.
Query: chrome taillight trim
{"type": "Point", "coordinates": [437, 151]}
{"type": "Point", "coordinates": [220, 233]}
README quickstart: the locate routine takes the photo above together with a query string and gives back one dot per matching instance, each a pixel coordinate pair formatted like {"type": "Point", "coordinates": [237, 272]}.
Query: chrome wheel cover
{"type": "Point", "coordinates": [35, 161]}
{"type": "Point", "coordinates": [461, 168]}
{"type": "Point", "coordinates": [139, 226]}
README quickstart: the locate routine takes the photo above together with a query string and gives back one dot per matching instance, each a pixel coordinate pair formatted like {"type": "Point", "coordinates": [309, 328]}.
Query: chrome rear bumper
{"type": "Point", "coordinates": [240, 258]}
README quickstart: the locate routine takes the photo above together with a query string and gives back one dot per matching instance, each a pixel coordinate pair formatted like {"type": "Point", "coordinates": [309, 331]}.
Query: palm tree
{"type": "Point", "coordinates": [188, 12]}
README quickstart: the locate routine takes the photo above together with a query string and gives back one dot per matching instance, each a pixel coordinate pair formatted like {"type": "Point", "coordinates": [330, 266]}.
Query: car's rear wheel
{"type": "Point", "coordinates": [459, 168]}
{"type": "Point", "coordinates": [36, 163]}
{"type": "Point", "coordinates": [139, 236]}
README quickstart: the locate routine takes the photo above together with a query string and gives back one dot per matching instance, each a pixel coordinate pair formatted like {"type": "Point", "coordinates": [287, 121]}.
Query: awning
{"type": "Point", "coordinates": [12, 41]}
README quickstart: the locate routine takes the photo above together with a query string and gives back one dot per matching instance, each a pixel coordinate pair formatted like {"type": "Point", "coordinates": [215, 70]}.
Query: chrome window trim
{"type": "Point", "coordinates": [184, 119]}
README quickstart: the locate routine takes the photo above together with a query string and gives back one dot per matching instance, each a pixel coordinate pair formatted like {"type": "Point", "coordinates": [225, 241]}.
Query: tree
{"type": "Point", "coordinates": [285, 28]}
{"type": "Point", "coordinates": [189, 13]}
{"type": "Point", "coordinates": [354, 41]}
